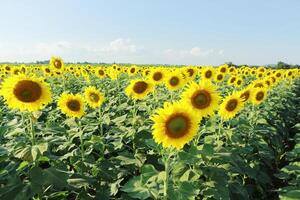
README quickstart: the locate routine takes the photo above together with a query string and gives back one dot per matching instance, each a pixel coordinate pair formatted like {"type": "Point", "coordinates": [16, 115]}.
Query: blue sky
{"type": "Point", "coordinates": [156, 31]}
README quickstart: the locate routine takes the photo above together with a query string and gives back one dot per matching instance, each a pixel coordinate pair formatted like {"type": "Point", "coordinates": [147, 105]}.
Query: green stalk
{"type": "Point", "coordinates": [166, 182]}
{"type": "Point", "coordinates": [100, 122]}
{"type": "Point", "coordinates": [32, 132]}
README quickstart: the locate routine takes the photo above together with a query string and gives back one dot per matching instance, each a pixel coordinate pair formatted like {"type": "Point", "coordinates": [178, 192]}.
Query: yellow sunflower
{"type": "Point", "coordinates": [57, 63]}
{"type": "Point", "coordinates": [207, 73]}
{"type": "Point", "coordinates": [157, 76]}
{"type": "Point", "coordinates": [230, 106]}
{"type": "Point", "coordinates": [231, 80]}
{"type": "Point", "coordinates": [93, 97]}
{"type": "Point", "coordinates": [203, 98]}
{"type": "Point", "coordinates": [174, 125]}
{"type": "Point", "coordinates": [259, 95]}
{"type": "Point", "coordinates": [246, 94]}
{"type": "Point", "coordinates": [174, 81]}
{"type": "Point", "coordinates": [71, 105]}
{"type": "Point", "coordinates": [26, 93]}
{"type": "Point", "coordinates": [139, 89]}
{"type": "Point", "coordinates": [219, 77]}
{"type": "Point", "coordinates": [238, 82]}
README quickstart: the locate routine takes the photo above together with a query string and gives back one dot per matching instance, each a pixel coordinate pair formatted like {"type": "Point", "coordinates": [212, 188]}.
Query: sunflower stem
{"type": "Point", "coordinates": [32, 133]}
{"type": "Point", "coordinates": [166, 181]}
{"type": "Point", "coordinates": [219, 131]}
{"type": "Point", "coordinates": [100, 121]}
{"type": "Point", "coordinates": [134, 124]}
{"type": "Point", "coordinates": [81, 139]}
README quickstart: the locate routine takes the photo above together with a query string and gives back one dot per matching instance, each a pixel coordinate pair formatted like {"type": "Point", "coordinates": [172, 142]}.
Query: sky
{"type": "Point", "coordinates": [198, 32]}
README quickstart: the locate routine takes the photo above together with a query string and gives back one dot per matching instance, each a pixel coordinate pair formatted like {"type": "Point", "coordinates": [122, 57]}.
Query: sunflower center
{"type": "Point", "coordinates": [239, 82]}
{"type": "Point", "coordinates": [258, 85]}
{"type": "Point", "coordinates": [278, 75]}
{"type": "Point", "coordinates": [231, 105]}
{"type": "Point", "coordinates": [174, 81]}
{"type": "Point", "coordinates": [232, 80]}
{"type": "Point", "coordinates": [223, 69]}
{"type": "Point", "coordinates": [177, 126]}
{"type": "Point", "coordinates": [73, 105]}
{"type": "Point", "coordinates": [245, 96]}
{"type": "Point", "coordinates": [260, 96]}
{"type": "Point", "coordinates": [157, 76]}
{"type": "Point", "coordinates": [94, 97]}
{"type": "Point", "coordinates": [57, 64]}
{"type": "Point", "coordinates": [132, 70]}
{"type": "Point", "coordinates": [201, 99]}
{"type": "Point", "coordinates": [191, 72]}
{"type": "Point", "coordinates": [47, 70]}
{"type": "Point", "coordinates": [208, 74]}
{"type": "Point", "coordinates": [140, 87]}
{"type": "Point", "coordinates": [220, 77]}
{"type": "Point", "coordinates": [27, 91]}
{"type": "Point", "coordinates": [101, 72]}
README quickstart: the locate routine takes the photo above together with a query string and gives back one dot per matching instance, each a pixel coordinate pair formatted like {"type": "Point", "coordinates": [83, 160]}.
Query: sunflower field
{"type": "Point", "coordinates": [70, 131]}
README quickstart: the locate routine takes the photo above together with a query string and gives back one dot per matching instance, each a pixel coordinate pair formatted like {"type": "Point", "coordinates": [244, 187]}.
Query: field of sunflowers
{"type": "Point", "coordinates": [70, 131]}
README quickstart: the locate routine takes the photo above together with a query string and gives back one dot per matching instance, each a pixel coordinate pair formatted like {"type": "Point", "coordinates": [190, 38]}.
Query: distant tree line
{"type": "Point", "coordinates": [279, 65]}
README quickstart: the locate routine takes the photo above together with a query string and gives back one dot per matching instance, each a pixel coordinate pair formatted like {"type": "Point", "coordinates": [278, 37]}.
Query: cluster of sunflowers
{"type": "Point", "coordinates": [25, 88]}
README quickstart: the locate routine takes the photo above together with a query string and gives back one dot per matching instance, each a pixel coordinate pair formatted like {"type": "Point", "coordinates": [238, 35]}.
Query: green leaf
{"type": "Point", "coordinates": [136, 189]}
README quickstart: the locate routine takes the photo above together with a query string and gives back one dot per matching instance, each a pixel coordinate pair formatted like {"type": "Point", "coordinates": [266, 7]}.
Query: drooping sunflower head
{"type": "Point", "coordinates": [71, 105]}
{"type": "Point", "coordinates": [139, 89]}
{"type": "Point", "coordinates": [26, 93]}
{"type": "Point", "coordinates": [259, 95]}
{"type": "Point", "coordinates": [203, 98]}
{"type": "Point", "coordinates": [57, 63]}
{"type": "Point", "coordinates": [231, 80]}
{"type": "Point", "coordinates": [230, 106]}
{"type": "Point", "coordinates": [190, 72]}
{"type": "Point", "coordinates": [93, 97]}
{"type": "Point", "coordinates": [246, 93]}
{"type": "Point", "coordinates": [174, 125]}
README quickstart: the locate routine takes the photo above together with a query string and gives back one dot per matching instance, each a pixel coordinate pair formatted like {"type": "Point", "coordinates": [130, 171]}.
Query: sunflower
{"type": "Point", "coordinates": [246, 94]}
{"type": "Point", "coordinates": [231, 80]}
{"type": "Point", "coordinates": [259, 95]}
{"type": "Point", "coordinates": [207, 73]}
{"type": "Point", "coordinates": [25, 93]}
{"type": "Point", "coordinates": [223, 69]}
{"type": "Point", "coordinates": [174, 125]}
{"type": "Point", "coordinates": [132, 70]}
{"type": "Point", "coordinates": [219, 77]}
{"type": "Point", "coordinates": [139, 89]}
{"type": "Point", "coordinates": [231, 105]}
{"type": "Point", "coordinates": [71, 105]}
{"type": "Point", "coordinates": [174, 81]}
{"type": "Point", "coordinates": [57, 63]}
{"type": "Point", "coordinates": [238, 82]}
{"type": "Point", "coordinates": [157, 76]}
{"type": "Point", "coordinates": [93, 97]}
{"type": "Point", "coordinates": [203, 98]}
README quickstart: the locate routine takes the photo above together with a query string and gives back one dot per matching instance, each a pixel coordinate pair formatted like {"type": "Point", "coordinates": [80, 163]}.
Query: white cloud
{"type": "Point", "coordinates": [120, 45]}
{"type": "Point", "coordinates": [196, 51]}
{"type": "Point", "coordinates": [117, 50]}
{"type": "Point", "coordinates": [186, 53]}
